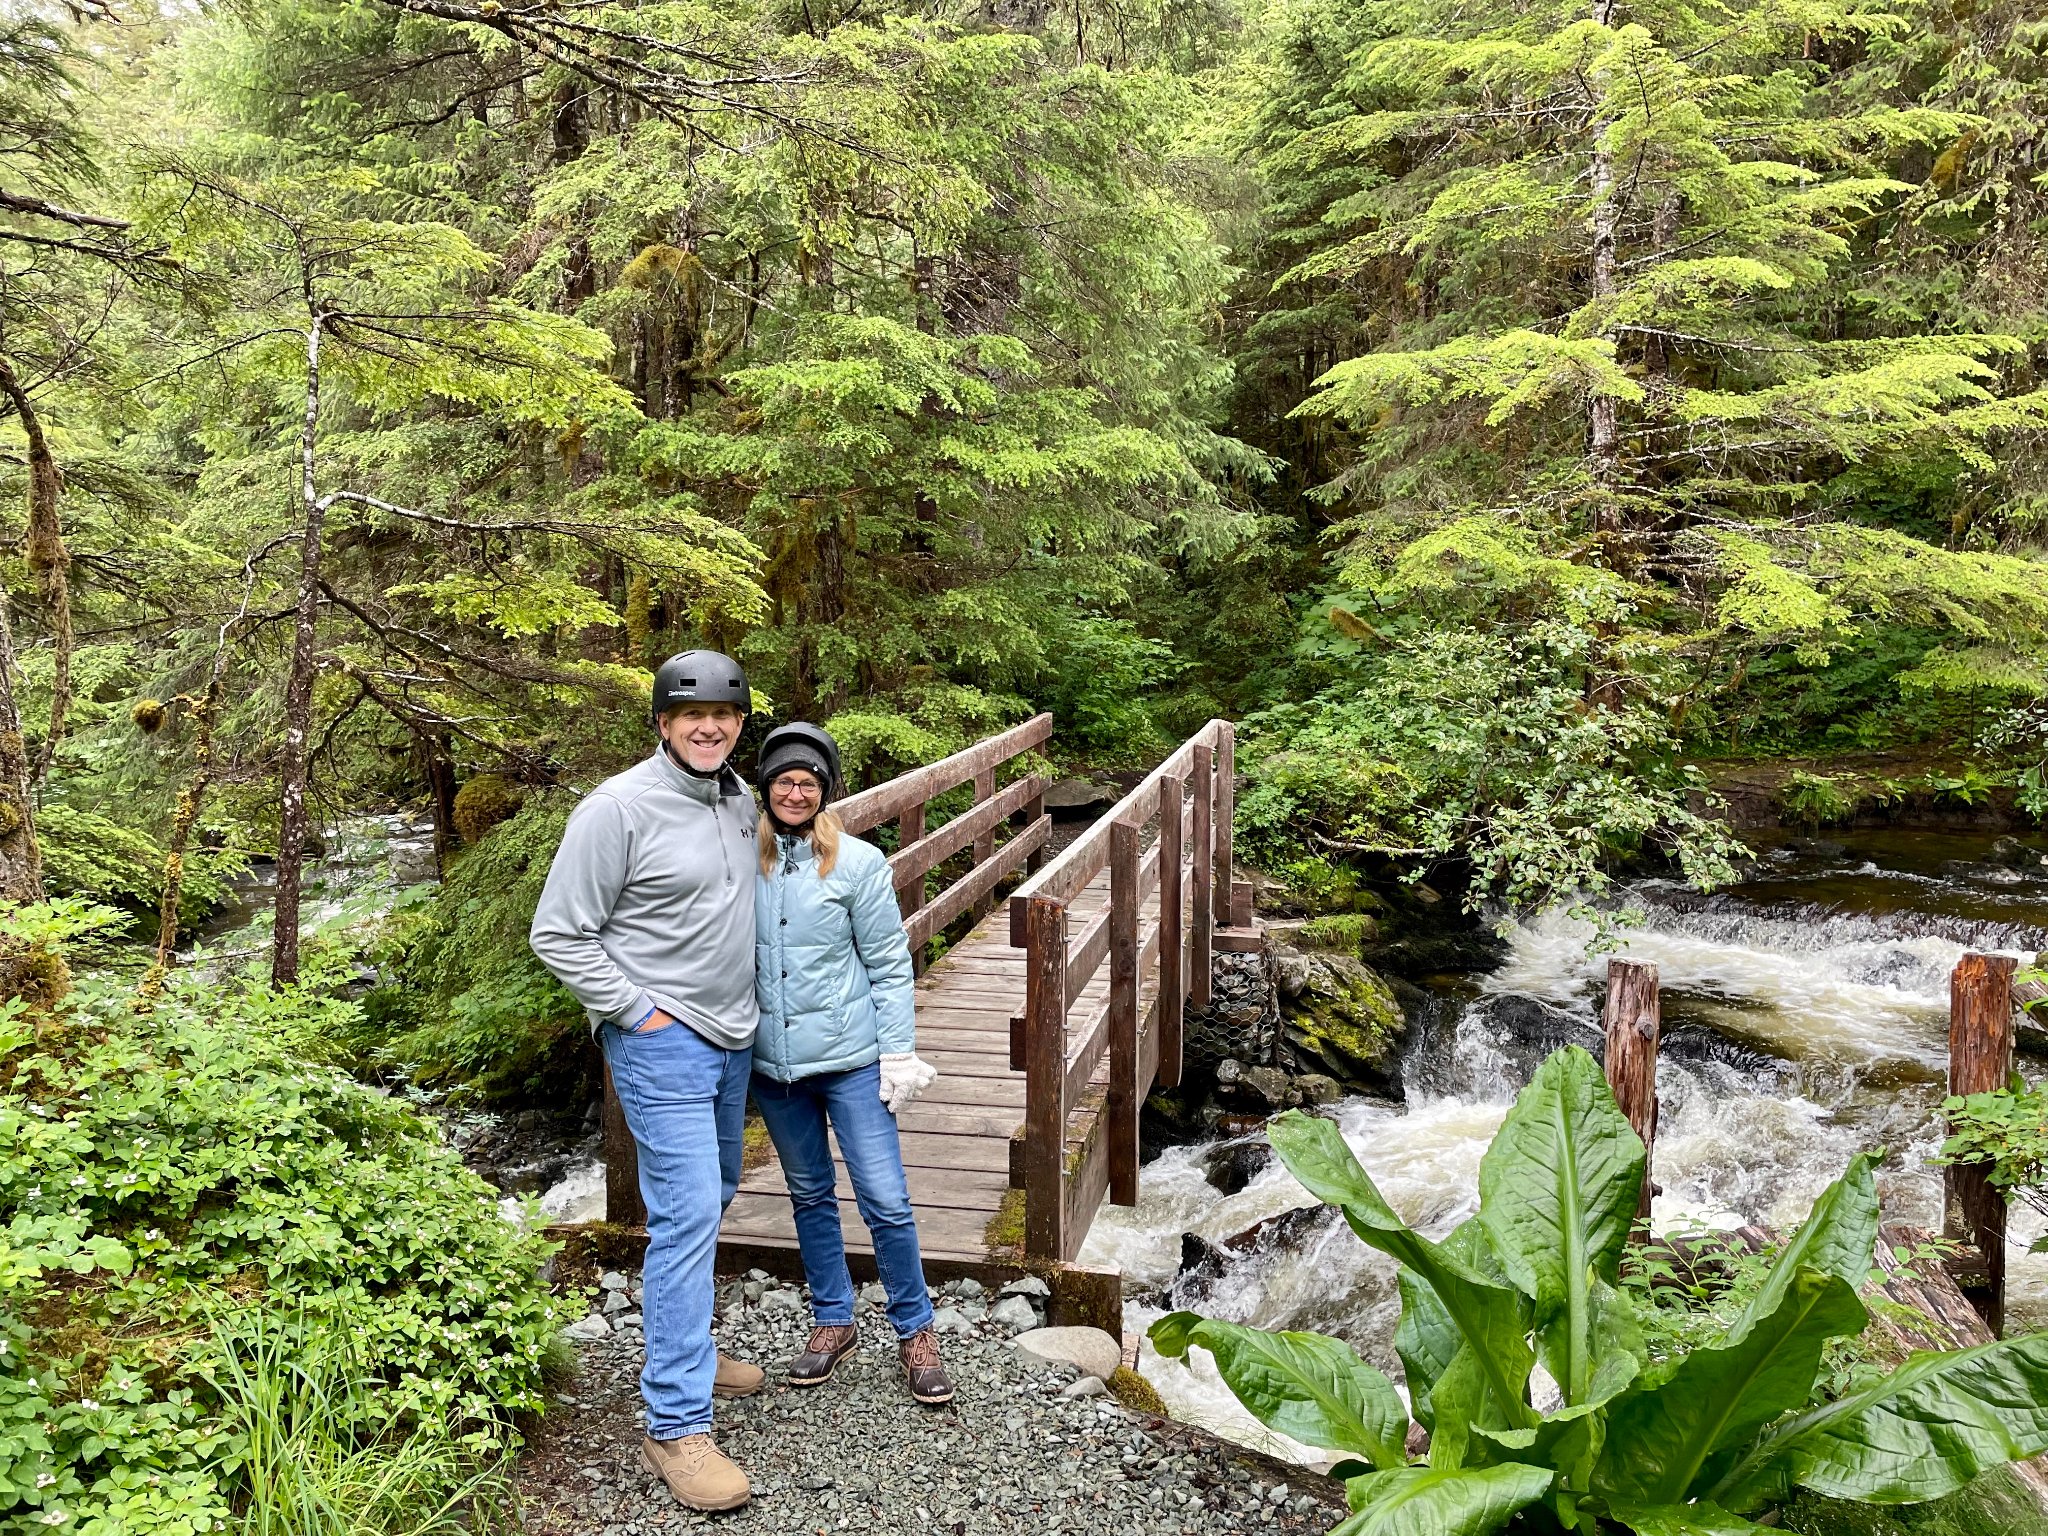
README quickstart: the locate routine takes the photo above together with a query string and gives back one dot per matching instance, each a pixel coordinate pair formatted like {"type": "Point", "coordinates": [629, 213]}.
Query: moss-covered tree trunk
{"type": "Point", "coordinates": [21, 862]}
{"type": "Point", "coordinates": [48, 559]}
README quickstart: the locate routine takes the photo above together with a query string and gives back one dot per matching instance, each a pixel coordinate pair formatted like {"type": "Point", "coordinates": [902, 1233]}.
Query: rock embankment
{"type": "Point", "coordinates": [1029, 1447]}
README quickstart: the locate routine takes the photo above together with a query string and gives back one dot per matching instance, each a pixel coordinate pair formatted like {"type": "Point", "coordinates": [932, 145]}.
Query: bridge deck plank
{"type": "Point", "coordinates": [956, 1137]}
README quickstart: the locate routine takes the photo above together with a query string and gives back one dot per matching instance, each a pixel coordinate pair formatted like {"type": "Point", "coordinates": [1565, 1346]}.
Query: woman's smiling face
{"type": "Point", "coordinates": [794, 795]}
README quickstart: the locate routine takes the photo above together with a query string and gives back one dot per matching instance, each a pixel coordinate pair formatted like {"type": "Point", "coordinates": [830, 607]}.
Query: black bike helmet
{"type": "Point", "coordinates": [801, 745]}
{"type": "Point", "coordinates": [700, 677]}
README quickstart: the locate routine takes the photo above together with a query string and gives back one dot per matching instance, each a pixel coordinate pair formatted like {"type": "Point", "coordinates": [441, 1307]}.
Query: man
{"type": "Point", "coordinates": [648, 918]}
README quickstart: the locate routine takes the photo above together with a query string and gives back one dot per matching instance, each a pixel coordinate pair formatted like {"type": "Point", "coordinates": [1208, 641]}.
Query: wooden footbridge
{"type": "Point", "coordinates": [1050, 1015]}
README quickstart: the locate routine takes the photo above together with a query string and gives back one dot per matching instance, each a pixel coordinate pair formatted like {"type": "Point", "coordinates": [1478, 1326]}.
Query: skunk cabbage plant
{"type": "Point", "coordinates": [1685, 1446]}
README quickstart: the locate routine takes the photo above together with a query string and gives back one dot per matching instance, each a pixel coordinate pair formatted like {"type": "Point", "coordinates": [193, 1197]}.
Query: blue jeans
{"type": "Point", "coordinates": [686, 1104]}
{"type": "Point", "coordinates": [796, 1115]}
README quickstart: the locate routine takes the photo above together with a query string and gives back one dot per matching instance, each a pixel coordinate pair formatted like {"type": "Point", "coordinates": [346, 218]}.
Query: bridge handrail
{"type": "Point", "coordinates": [1189, 868]}
{"type": "Point", "coordinates": [905, 799]}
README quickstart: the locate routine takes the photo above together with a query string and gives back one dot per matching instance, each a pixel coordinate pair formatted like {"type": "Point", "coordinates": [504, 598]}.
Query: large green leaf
{"type": "Point", "coordinates": [1836, 1238]}
{"type": "Point", "coordinates": [1921, 1432]}
{"type": "Point", "coordinates": [1426, 1340]}
{"type": "Point", "coordinates": [1557, 1195]}
{"type": "Point", "coordinates": [1488, 1315]}
{"type": "Point", "coordinates": [1308, 1386]}
{"type": "Point", "coordinates": [1659, 1438]}
{"type": "Point", "coordinates": [1684, 1520]}
{"type": "Point", "coordinates": [1430, 1501]}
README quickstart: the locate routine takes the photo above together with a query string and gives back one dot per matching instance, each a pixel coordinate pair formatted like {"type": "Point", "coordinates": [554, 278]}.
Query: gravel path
{"type": "Point", "coordinates": [1010, 1455]}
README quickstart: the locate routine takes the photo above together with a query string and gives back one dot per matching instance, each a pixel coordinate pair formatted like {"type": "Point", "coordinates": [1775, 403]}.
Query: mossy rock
{"type": "Point", "coordinates": [485, 800]}
{"type": "Point", "coordinates": [1347, 1021]}
{"type": "Point", "coordinates": [35, 973]}
{"type": "Point", "coordinates": [1136, 1393]}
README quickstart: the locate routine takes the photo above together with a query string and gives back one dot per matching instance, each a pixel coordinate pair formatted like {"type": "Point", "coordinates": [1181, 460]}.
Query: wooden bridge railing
{"type": "Point", "coordinates": [905, 800]}
{"type": "Point", "coordinates": [1156, 931]}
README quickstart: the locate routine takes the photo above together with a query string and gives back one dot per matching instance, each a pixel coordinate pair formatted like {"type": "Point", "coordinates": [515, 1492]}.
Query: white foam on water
{"type": "Point", "coordinates": [577, 1196]}
{"type": "Point", "coordinates": [1856, 1005]}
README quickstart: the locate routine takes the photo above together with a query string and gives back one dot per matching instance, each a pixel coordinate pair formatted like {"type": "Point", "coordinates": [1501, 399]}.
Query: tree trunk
{"type": "Point", "coordinates": [298, 692]}
{"type": "Point", "coordinates": [48, 560]}
{"type": "Point", "coordinates": [21, 860]}
{"type": "Point", "coordinates": [190, 799]}
{"type": "Point", "coordinates": [1604, 437]}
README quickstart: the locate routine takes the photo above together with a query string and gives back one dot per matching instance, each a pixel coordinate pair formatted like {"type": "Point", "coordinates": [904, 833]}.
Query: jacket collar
{"type": "Point", "coordinates": [705, 791]}
{"type": "Point", "coordinates": [794, 847]}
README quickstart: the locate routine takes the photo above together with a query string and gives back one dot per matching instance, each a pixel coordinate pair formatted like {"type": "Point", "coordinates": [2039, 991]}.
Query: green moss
{"type": "Point", "coordinates": [1005, 1230]}
{"type": "Point", "coordinates": [1348, 1019]}
{"type": "Point", "coordinates": [1343, 932]}
{"type": "Point", "coordinates": [1996, 1504]}
{"type": "Point", "coordinates": [755, 1147]}
{"type": "Point", "coordinates": [1135, 1392]}
{"type": "Point", "coordinates": [482, 803]}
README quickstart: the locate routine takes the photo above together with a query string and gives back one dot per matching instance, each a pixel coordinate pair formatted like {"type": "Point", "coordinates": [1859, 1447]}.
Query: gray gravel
{"type": "Point", "coordinates": [1013, 1454]}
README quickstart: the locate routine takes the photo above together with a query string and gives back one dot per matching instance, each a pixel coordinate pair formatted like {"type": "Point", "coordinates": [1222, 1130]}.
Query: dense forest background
{"type": "Point", "coordinates": [1504, 409]}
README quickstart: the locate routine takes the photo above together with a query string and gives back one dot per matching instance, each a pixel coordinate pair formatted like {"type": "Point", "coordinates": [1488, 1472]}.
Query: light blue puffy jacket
{"type": "Point", "coordinates": [833, 963]}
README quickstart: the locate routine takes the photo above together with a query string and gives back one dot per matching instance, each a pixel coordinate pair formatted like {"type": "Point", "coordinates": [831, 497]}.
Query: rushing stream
{"type": "Point", "coordinates": [1805, 1018]}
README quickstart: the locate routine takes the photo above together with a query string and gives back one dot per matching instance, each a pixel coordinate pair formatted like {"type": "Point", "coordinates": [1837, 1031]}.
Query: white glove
{"type": "Point", "coordinates": [904, 1077]}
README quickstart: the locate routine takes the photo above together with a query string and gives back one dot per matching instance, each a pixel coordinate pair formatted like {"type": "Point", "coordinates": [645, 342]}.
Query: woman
{"type": "Point", "coordinates": [835, 1047]}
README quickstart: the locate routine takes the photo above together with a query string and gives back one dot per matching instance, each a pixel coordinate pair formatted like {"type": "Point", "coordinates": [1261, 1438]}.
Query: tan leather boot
{"type": "Point", "coordinates": [697, 1472]}
{"type": "Point", "coordinates": [736, 1378]}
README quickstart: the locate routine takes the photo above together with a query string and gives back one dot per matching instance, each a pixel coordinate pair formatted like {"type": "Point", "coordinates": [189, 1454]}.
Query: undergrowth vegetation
{"type": "Point", "coordinates": [184, 1185]}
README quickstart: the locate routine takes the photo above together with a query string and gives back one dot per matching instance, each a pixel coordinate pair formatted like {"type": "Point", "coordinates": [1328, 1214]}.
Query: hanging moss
{"type": "Point", "coordinates": [149, 715]}
{"type": "Point", "coordinates": [484, 802]}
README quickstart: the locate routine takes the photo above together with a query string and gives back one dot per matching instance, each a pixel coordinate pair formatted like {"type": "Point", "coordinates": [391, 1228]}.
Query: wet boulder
{"type": "Point", "coordinates": [1346, 1024]}
{"type": "Point", "coordinates": [1230, 1165]}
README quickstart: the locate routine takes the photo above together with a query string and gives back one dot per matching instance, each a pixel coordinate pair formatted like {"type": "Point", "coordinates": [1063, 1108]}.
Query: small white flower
{"type": "Point", "coordinates": [44, 1479]}
{"type": "Point", "coordinates": [88, 1405]}
{"type": "Point", "coordinates": [55, 1517]}
{"type": "Point", "coordinates": [35, 1191]}
{"type": "Point", "coordinates": [79, 1182]}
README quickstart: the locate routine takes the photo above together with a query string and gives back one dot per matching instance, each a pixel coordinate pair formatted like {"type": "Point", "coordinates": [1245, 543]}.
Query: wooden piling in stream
{"type": "Point", "coordinates": [622, 1204]}
{"type": "Point", "coordinates": [1980, 1045]}
{"type": "Point", "coordinates": [1634, 1020]}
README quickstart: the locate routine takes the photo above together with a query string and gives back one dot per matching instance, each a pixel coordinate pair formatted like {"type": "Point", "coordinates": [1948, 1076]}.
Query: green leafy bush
{"type": "Point", "coordinates": [1816, 799]}
{"type": "Point", "coordinates": [171, 1169]}
{"type": "Point", "coordinates": [1480, 746]}
{"type": "Point", "coordinates": [472, 1007]}
{"type": "Point", "coordinates": [2008, 1130]}
{"type": "Point", "coordinates": [88, 855]}
{"type": "Point", "coordinates": [1684, 1445]}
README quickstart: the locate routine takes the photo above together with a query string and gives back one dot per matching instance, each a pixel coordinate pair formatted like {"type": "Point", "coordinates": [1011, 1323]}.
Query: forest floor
{"type": "Point", "coordinates": [1013, 1454]}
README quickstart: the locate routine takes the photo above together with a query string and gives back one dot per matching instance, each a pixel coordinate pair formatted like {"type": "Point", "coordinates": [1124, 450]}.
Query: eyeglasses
{"type": "Point", "coordinates": [800, 789]}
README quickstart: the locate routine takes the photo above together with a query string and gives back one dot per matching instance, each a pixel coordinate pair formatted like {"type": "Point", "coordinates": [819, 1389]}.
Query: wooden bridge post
{"type": "Point", "coordinates": [1122, 1108]}
{"type": "Point", "coordinates": [910, 891]}
{"type": "Point", "coordinates": [1202, 835]}
{"type": "Point", "coordinates": [1226, 816]}
{"type": "Point", "coordinates": [1980, 1045]}
{"type": "Point", "coordinates": [984, 845]}
{"type": "Point", "coordinates": [1172, 934]}
{"type": "Point", "coordinates": [1634, 1021]}
{"type": "Point", "coordinates": [622, 1203]}
{"type": "Point", "coordinates": [1045, 1078]}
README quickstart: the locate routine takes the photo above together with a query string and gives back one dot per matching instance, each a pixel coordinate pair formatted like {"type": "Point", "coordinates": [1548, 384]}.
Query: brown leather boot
{"type": "Point", "coordinates": [737, 1378]}
{"type": "Point", "coordinates": [921, 1366]}
{"type": "Point", "coordinates": [697, 1472]}
{"type": "Point", "coordinates": [826, 1348]}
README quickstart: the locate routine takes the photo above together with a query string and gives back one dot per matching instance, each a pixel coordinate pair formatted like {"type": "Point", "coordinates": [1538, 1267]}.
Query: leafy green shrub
{"type": "Point", "coordinates": [1679, 1446]}
{"type": "Point", "coordinates": [472, 1006]}
{"type": "Point", "coordinates": [170, 1169]}
{"type": "Point", "coordinates": [88, 855]}
{"type": "Point", "coordinates": [1816, 799]}
{"type": "Point", "coordinates": [2009, 1131]}
{"type": "Point", "coordinates": [1462, 743]}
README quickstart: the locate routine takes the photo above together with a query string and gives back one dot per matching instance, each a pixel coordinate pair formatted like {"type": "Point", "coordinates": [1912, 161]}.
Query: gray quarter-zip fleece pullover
{"type": "Point", "coordinates": [650, 902]}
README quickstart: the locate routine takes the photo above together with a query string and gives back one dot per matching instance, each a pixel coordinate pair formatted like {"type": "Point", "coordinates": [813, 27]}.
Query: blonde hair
{"type": "Point", "coordinates": [826, 830]}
